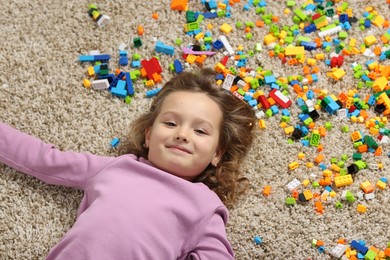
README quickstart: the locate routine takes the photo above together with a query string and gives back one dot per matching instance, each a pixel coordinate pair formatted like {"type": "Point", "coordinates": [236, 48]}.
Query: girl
{"type": "Point", "coordinates": [165, 198]}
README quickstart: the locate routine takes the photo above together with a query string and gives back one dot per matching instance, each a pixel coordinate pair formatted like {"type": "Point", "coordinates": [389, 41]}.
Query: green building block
{"type": "Point", "coordinates": [345, 129]}
{"type": "Point", "coordinates": [290, 201]}
{"type": "Point", "coordinates": [328, 126]}
{"type": "Point", "coordinates": [315, 139]}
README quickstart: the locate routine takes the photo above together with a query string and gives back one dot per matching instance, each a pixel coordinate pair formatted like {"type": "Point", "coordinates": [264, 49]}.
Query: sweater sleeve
{"type": "Point", "coordinates": [32, 156]}
{"type": "Point", "coordinates": [213, 243]}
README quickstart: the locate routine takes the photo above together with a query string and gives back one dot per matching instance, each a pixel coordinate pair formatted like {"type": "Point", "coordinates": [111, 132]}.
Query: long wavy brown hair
{"type": "Point", "coordinates": [236, 133]}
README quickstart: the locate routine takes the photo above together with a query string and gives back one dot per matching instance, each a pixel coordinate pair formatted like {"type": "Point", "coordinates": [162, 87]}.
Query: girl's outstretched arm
{"type": "Point", "coordinates": [34, 157]}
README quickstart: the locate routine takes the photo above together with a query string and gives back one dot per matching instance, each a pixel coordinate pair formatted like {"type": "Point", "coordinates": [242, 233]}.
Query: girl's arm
{"type": "Point", "coordinates": [213, 243]}
{"type": "Point", "coordinates": [32, 156]}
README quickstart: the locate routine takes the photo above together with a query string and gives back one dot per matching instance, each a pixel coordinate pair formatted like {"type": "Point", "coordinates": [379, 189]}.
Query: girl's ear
{"type": "Point", "coordinates": [147, 136]}
{"type": "Point", "coordinates": [217, 157]}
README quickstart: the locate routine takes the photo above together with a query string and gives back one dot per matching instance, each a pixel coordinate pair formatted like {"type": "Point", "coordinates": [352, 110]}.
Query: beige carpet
{"type": "Point", "coordinates": [41, 93]}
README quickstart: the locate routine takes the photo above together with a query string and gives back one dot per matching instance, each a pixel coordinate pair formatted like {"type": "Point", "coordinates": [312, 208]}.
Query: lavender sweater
{"type": "Point", "coordinates": [130, 209]}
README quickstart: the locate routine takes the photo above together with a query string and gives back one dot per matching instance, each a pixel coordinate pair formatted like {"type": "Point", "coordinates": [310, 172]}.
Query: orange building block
{"type": "Point", "coordinates": [319, 158]}
{"type": "Point", "coordinates": [267, 190]}
{"type": "Point", "coordinates": [363, 148]}
{"type": "Point", "coordinates": [179, 5]}
{"type": "Point", "coordinates": [319, 209]}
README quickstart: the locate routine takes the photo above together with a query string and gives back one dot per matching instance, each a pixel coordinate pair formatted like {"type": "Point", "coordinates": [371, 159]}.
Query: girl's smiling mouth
{"type": "Point", "coordinates": [179, 148]}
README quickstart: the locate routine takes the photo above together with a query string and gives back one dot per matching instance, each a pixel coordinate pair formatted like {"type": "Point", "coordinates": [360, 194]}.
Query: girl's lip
{"type": "Point", "coordinates": [178, 147]}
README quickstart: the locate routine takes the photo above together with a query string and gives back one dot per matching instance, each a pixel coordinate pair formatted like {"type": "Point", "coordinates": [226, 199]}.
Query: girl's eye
{"type": "Point", "coordinates": [200, 131]}
{"type": "Point", "coordinates": [170, 123]}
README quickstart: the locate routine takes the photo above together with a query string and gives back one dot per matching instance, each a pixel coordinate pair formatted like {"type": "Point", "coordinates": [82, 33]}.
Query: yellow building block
{"type": "Point", "coordinates": [262, 124]}
{"type": "Point", "coordinates": [378, 20]}
{"type": "Point", "coordinates": [87, 83]}
{"type": "Point", "coordinates": [381, 185]}
{"type": "Point", "coordinates": [308, 194]}
{"type": "Point", "coordinates": [199, 36]}
{"type": "Point", "coordinates": [338, 74]}
{"type": "Point", "coordinates": [289, 130]}
{"type": "Point", "coordinates": [352, 42]}
{"type": "Point", "coordinates": [320, 56]}
{"type": "Point", "coordinates": [91, 71]}
{"type": "Point", "coordinates": [283, 125]}
{"type": "Point", "coordinates": [311, 61]}
{"type": "Point", "coordinates": [373, 65]}
{"type": "Point", "coordinates": [356, 136]}
{"type": "Point", "coordinates": [292, 166]}
{"type": "Point", "coordinates": [220, 68]}
{"type": "Point", "coordinates": [309, 165]}
{"type": "Point", "coordinates": [370, 40]}
{"type": "Point", "coordinates": [361, 208]}
{"type": "Point", "coordinates": [341, 181]}
{"type": "Point", "coordinates": [226, 28]}
{"type": "Point", "coordinates": [335, 167]}
{"type": "Point", "coordinates": [282, 34]}
{"type": "Point", "coordinates": [269, 39]}
{"type": "Point", "coordinates": [191, 58]}
{"type": "Point", "coordinates": [306, 182]}
{"type": "Point", "coordinates": [379, 84]}
{"type": "Point", "coordinates": [289, 51]}
{"type": "Point", "coordinates": [322, 24]}
{"type": "Point", "coordinates": [327, 173]}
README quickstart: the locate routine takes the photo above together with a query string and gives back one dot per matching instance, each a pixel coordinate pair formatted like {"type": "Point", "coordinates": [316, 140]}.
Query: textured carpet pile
{"type": "Point", "coordinates": [41, 93]}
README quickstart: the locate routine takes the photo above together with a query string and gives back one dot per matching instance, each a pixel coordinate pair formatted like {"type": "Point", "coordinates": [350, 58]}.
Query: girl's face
{"type": "Point", "coordinates": [184, 138]}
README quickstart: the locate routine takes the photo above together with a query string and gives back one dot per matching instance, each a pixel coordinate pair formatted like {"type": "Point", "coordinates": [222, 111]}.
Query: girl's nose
{"type": "Point", "coordinates": [181, 136]}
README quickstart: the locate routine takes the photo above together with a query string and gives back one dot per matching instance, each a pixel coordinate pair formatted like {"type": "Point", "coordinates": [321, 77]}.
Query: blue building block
{"type": "Point", "coordinates": [343, 18]}
{"type": "Point", "coordinates": [178, 67]}
{"type": "Point", "coordinates": [136, 64]}
{"type": "Point", "coordinates": [129, 84]}
{"type": "Point", "coordinates": [269, 79]}
{"type": "Point", "coordinates": [303, 117]}
{"type": "Point", "coordinates": [101, 57]}
{"type": "Point", "coordinates": [274, 109]}
{"type": "Point", "coordinates": [275, 86]}
{"type": "Point", "coordinates": [310, 7]}
{"type": "Point", "coordinates": [285, 112]}
{"type": "Point", "coordinates": [114, 142]}
{"type": "Point", "coordinates": [86, 58]}
{"type": "Point", "coordinates": [252, 102]}
{"type": "Point", "coordinates": [310, 28]}
{"type": "Point", "coordinates": [305, 142]}
{"type": "Point", "coordinates": [120, 89]}
{"type": "Point", "coordinates": [110, 77]}
{"type": "Point", "coordinates": [258, 240]}
{"type": "Point", "coordinates": [210, 15]}
{"type": "Point", "coordinates": [294, 82]}
{"type": "Point", "coordinates": [116, 79]}
{"type": "Point", "coordinates": [367, 23]}
{"type": "Point", "coordinates": [123, 60]}
{"type": "Point", "coordinates": [347, 26]}
{"type": "Point", "coordinates": [310, 93]}
{"type": "Point", "coordinates": [359, 246]}
{"type": "Point", "coordinates": [96, 68]}
{"type": "Point", "coordinates": [314, 77]}
{"type": "Point", "coordinates": [305, 130]}
{"type": "Point", "coordinates": [152, 92]}
{"type": "Point", "coordinates": [309, 46]}
{"type": "Point", "coordinates": [322, 166]}
{"type": "Point", "coordinates": [219, 76]}
{"type": "Point", "coordinates": [300, 102]}
{"type": "Point", "coordinates": [162, 48]}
